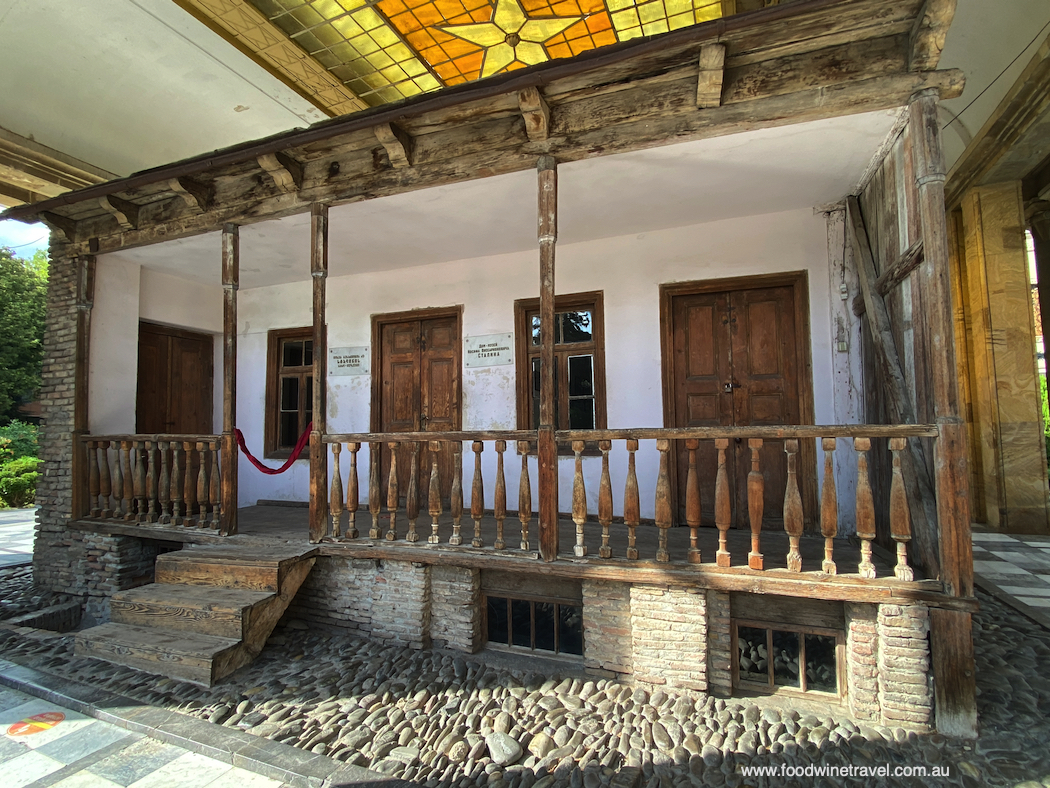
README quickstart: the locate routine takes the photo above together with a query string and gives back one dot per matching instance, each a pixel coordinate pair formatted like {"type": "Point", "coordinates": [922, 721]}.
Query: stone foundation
{"type": "Point", "coordinates": [719, 644]}
{"type": "Point", "coordinates": [455, 608]}
{"type": "Point", "coordinates": [607, 627]}
{"type": "Point", "coordinates": [669, 636]}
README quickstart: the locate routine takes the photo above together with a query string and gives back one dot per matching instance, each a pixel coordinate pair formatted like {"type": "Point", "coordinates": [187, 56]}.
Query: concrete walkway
{"type": "Point", "coordinates": [1016, 570]}
{"type": "Point", "coordinates": [16, 536]}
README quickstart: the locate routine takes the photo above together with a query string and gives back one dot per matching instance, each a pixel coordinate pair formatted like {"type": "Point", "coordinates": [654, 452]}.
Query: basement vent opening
{"type": "Point", "coordinates": [773, 657]}
{"type": "Point", "coordinates": [534, 625]}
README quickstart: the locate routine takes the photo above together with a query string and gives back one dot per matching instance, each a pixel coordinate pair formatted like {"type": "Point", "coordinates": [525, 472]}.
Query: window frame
{"type": "Point", "coordinates": [524, 308]}
{"type": "Point", "coordinates": [275, 370]}
{"type": "Point", "coordinates": [533, 600]}
{"type": "Point", "coordinates": [770, 687]}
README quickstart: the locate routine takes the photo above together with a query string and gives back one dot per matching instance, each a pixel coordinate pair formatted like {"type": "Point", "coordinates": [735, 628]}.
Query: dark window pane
{"type": "Point", "coordinates": [821, 674]}
{"type": "Point", "coordinates": [753, 655]}
{"type": "Point", "coordinates": [581, 414]}
{"type": "Point", "coordinates": [785, 659]}
{"type": "Point", "coordinates": [570, 629]}
{"type": "Point", "coordinates": [309, 404]}
{"type": "Point", "coordinates": [289, 429]}
{"type": "Point", "coordinates": [521, 620]}
{"type": "Point", "coordinates": [545, 626]}
{"type": "Point", "coordinates": [293, 353]}
{"type": "Point", "coordinates": [290, 394]}
{"type": "Point", "coordinates": [576, 327]}
{"type": "Point", "coordinates": [308, 352]}
{"type": "Point", "coordinates": [535, 393]}
{"type": "Point", "coordinates": [581, 376]}
{"type": "Point", "coordinates": [497, 618]}
{"type": "Point", "coordinates": [535, 329]}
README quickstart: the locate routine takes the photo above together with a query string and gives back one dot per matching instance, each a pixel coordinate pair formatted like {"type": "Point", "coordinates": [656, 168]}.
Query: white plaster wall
{"type": "Point", "coordinates": [628, 269]}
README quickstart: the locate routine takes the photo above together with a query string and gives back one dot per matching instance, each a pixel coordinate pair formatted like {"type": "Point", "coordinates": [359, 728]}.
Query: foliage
{"type": "Point", "coordinates": [23, 295]}
{"type": "Point", "coordinates": [18, 481]}
{"type": "Point", "coordinates": [20, 439]}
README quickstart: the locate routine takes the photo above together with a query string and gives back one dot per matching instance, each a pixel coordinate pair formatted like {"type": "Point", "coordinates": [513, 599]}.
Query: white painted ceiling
{"type": "Point", "coordinates": [752, 173]}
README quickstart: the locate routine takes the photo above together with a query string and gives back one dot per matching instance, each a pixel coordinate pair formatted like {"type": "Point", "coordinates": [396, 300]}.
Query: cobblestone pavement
{"type": "Point", "coordinates": [16, 536]}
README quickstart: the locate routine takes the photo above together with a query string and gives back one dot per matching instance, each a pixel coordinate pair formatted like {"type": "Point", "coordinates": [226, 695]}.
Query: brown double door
{"type": "Point", "coordinates": [175, 376]}
{"type": "Point", "coordinates": [419, 391]}
{"type": "Point", "coordinates": [735, 362]}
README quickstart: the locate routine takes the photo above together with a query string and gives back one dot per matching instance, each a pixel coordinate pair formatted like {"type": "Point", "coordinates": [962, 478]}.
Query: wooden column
{"type": "Point", "coordinates": [318, 450]}
{"type": "Point", "coordinates": [950, 631]}
{"type": "Point", "coordinates": [231, 277]}
{"type": "Point", "coordinates": [547, 450]}
{"type": "Point", "coordinates": [85, 266]}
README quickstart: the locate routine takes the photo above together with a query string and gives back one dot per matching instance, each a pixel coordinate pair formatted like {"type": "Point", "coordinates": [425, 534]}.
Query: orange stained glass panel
{"type": "Point", "coordinates": [452, 58]}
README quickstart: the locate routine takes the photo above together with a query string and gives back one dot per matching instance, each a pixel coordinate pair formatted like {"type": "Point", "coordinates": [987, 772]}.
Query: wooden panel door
{"type": "Point", "coordinates": [175, 379]}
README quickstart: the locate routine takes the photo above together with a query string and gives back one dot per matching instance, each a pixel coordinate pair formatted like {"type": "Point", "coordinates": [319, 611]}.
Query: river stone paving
{"type": "Point", "coordinates": [445, 721]}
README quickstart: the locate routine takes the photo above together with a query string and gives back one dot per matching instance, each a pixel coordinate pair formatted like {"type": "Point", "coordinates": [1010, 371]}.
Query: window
{"type": "Point", "coordinates": [772, 657]}
{"type": "Point", "coordinates": [579, 361]}
{"type": "Point", "coordinates": [534, 624]}
{"type": "Point", "coordinates": [289, 389]}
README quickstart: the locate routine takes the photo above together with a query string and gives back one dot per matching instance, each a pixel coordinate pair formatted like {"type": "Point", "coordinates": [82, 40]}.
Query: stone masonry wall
{"type": "Point", "coordinates": [719, 643]}
{"type": "Point", "coordinates": [669, 636]}
{"type": "Point", "coordinates": [455, 610]}
{"type": "Point", "coordinates": [905, 694]}
{"type": "Point", "coordinates": [401, 603]}
{"type": "Point", "coordinates": [607, 627]}
{"type": "Point", "coordinates": [110, 564]}
{"type": "Point", "coordinates": [862, 662]}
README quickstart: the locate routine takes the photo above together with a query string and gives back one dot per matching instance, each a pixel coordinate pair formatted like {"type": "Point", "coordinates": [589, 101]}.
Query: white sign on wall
{"type": "Point", "coordinates": [350, 360]}
{"type": "Point", "coordinates": [491, 350]}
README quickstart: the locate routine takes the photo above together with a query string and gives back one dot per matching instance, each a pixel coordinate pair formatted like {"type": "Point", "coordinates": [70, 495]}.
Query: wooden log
{"type": "Point", "coordinates": [711, 75]}
{"type": "Point", "coordinates": [374, 451]}
{"type": "Point", "coordinates": [663, 500]}
{"type": "Point", "coordinates": [899, 270]}
{"type": "Point", "coordinates": [393, 499]}
{"type": "Point", "coordinates": [865, 508]}
{"type": "Point", "coordinates": [631, 501]}
{"type": "Point", "coordinates": [456, 494]}
{"type": "Point", "coordinates": [756, 490]}
{"type": "Point", "coordinates": [547, 449]}
{"type": "Point", "coordinates": [85, 298]}
{"type": "Point", "coordinates": [230, 451]}
{"type": "Point", "coordinates": [129, 481]}
{"type": "Point", "coordinates": [954, 669]}
{"type": "Point", "coordinates": [829, 508]}
{"type": "Point", "coordinates": [723, 503]}
{"type": "Point", "coordinates": [900, 516]}
{"type": "Point", "coordinates": [434, 493]}
{"type": "Point", "coordinates": [579, 500]}
{"type": "Point", "coordinates": [164, 484]}
{"type": "Point", "coordinates": [929, 33]}
{"type": "Point", "coordinates": [524, 494]}
{"type": "Point", "coordinates": [105, 486]}
{"type": "Point", "coordinates": [499, 503]}
{"type": "Point", "coordinates": [94, 484]}
{"type": "Point", "coordinates": [318, 454]}
{"type": "Point", "coordinates": [692, 501]}
{"type": "Point", "coordinates": [353, 494]}
{"type": "Point", "coordinates": [412, 495]}
{"type": "Point", "coordinates": [335, 505]}
{"type": "Point", "coordinates": [177, 486]}
{"type": "Point", "coordinates": [793, 521]}
{"type": "Point", "coordinates": [214, 486]}
{"type": "Point", "coordinates": [605, 500]}
{"type": "Point", "coordinates": [536, 113]}
{"type": "Point", "coordinates": [202, 487]}
{"type": "Point", "coordinates": [477, 495]}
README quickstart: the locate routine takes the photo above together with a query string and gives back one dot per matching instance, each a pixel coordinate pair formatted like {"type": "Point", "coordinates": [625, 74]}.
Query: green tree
{"type": "Point", "coordinates": [23, 296]}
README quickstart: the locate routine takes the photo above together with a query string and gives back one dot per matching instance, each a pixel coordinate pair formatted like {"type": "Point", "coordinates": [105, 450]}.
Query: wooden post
{"type": "Point", "coordinates": [900, 519]}
{"type": "Point", "coordinates": [547, 448]}
{"type": "Point", "coordinates": [663, 500]}
{"type": "Point", "coordinates": [723, 505]}
{"type": "Point", "coordinates": [524, 494]}
{"type": "Point", "coordinates": [950, 631]}
{"type": "Point", "coordinates": [105, 487]}
{"type": "Point", "coordinates": [605, 502]}
{"type": "Point", "coordinates": [865, 508]}
{"type": "Point", "coordinates": [793, 507]}
{"type": "Point", "coordinates": [231, 278]}
{"type": "Point", "coordinates": [631, 501]}
{"type": "Point", "coordinates": [829, 508]}
{"type": "Point", "coordinates": [374, 504]}
{"type": "Point", "coordinates": [579, 499]}
{"type": "Point", "coordinates": [692, 501]}
{"type": "Point", "coordinates": [434, 498]}
{"type": "Point", "coordinates": [499, 503]}
{"type": "Point", "coordinates": [456, 495]}
{"type": "Point", "coordinates": [412, 494]}
{"type": "Point", "coordinates": [392, 496]}
{"type": "Point", "coordinates": [352, 492]}
{"type": "Point", "coordinates": [756, 491]}
{"type": "Point", "coordinates": [336, 504]}
{"type": "Point", "coordinates": [318, 450]}
{"type": "Point", "coordinates": [85, 300]}
{"type": "Point", "coordinates": [477, 495]}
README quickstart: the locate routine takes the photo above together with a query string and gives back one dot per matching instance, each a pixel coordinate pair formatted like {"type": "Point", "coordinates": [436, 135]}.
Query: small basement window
{"type": "Point", "coordinates": [773, 657]}
{"type": "Point", "coordinates": [534, 624]}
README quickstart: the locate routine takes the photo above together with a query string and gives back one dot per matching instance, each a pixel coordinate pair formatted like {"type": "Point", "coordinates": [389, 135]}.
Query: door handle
{"type": "Point", "coordinates": [729, 385]}
{"type": "Point", "coordinates": [423, 422]}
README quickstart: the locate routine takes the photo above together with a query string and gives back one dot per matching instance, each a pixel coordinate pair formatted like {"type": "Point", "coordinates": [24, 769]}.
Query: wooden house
{"type": "Point", "coordinates": [717, 448]}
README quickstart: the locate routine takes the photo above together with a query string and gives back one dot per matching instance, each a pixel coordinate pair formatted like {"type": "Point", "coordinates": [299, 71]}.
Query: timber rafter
{"type": "Point", "coordinates": [786, 64]}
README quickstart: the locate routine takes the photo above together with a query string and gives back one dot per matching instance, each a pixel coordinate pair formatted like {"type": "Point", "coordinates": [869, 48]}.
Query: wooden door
{"type": "Point", "coordinates": [175, 378]}
{"type": "Point", "coordinates": [734, 362]}
{"type": "Point", "coordinates": [419, 391]}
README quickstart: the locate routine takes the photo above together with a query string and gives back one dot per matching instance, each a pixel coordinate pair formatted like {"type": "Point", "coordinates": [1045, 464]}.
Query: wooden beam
{"type": "Point", "coordinates": [547, 446]}
{"type": "Point", "coordinates": [231, 277]}
{"type": "Point", "coordinates": [197, 195]}
{"type": "Point", "coordinates": [286, 172]}
{"type": "Point", "coordinates": [318, 449]}
{"type": "Point", "coordinates": [896, 273]}
{"type": "Point", "coordinates": [85, 299]}
{"type": "Point", "coordinates": [125, 212]}
{"type": "Point", "coordinates": [536, 113]}
{"type": "Point", "coordinates": [712, 72]}
{"type": "Point", "coordinates": [927, 37]}
{"type": "Point", "coordinates": [954, 671]}
{"type": "Point", "coordinates": [64, 225]}
{"type": "Point", "coordinates": [399, 145]}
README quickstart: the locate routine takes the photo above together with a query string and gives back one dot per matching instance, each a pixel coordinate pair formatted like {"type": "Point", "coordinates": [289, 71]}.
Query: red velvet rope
{"type": "Point", "coordinates": [299, 446]}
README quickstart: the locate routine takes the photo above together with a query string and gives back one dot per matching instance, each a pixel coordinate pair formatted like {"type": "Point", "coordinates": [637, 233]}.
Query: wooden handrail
{"type": "Point", "coordinates": [419, 437]}
{"type": "Point", "coordinates": [767, 432]}
{"type": "Point", "coordinates": [175, 438]}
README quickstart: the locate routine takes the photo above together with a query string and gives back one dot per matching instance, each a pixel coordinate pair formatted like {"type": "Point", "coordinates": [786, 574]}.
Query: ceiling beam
{"type": "Point", "coordinates": [398, 143]}
{"type": "Point", "coordinates": [286, 172]}
{"type": "Point", "coordinates": [929, 33]}
{"type": "Point", "coordinates": [536, 113]}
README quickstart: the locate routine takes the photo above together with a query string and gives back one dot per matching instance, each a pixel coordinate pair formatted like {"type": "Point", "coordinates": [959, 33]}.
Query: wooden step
{"type": "Point", "coordinates": [201, 659]}
{"type": "Point", "coordinates": [225, 612]}
{"type": "Point", "coordinates": [253, 568]}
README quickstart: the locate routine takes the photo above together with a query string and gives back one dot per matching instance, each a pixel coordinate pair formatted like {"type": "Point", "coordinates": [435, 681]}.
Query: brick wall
{"type": "Point", "coordinates": [455, 612]}
{"type": "Point", "coordinates": [719, 643]}
{"type": "Point", "coordinates": [862, 661]}
{"type": "Point", "coordinates": [669, 636]}
{"type": "Point", "coordinates": [905, 694]}
{"type": "Point", "coordinates": [401, 603]}
{"type": "Point", "coordinates": [607, 627]}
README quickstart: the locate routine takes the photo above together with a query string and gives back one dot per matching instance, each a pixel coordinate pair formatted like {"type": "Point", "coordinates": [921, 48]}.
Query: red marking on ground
{"type": "Point", "coordinates": [37, 723]}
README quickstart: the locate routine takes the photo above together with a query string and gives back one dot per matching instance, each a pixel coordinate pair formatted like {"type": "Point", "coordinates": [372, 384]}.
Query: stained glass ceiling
{"type": "Point", "coordinates": [387, 50]}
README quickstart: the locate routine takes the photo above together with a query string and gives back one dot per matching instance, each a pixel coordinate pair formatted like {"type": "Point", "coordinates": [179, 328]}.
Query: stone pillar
{"type": "Point", "coordinates": [1006, 429]}
{"type": "Point", "coordinates": [455, 607]}
{"type": "Point", "coordinates": [862, 683]}
{"type": "Point", "coordinates": [719, 643]}
{"type": "Point", "coordinates": [669, 637]}
{"type": "Point", "coordinates": [905, 694]}
{"type": "Point", "coordinates": [607, 627]}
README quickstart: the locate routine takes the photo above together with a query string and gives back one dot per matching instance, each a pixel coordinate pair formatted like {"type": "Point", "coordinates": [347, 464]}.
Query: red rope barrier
{"type": "Point", "coordinates": [299, 446]}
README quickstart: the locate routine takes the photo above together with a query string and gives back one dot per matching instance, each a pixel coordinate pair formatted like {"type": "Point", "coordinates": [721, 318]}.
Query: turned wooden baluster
{"type": "Point", "coordinates": [756, 491]}
{"type": "Point", "coordinates": [129, 482]}
{"type": "Point", "coordinates": [829, 508]}
{"type": "Point", "coordinates": [499, 503]}
{"type": "Point", "coordinates": [723, 504]}
{"type": "Point", "coordinates": [164, 485]}
{"type": "Point", "coordinates": [434, 497]}
{"type": "Point", "coordinates": [392, 498]}
{"type": "Point", "coordinates": [374, 452]}
{"type": "Point", "coordinates": [412, 496]}
{"type": "Point", "coordinates": [151, 481]}
{"type": "Point", "coordinates": [579, 500]}
{"type": "Point", "coordinates": [793, 507]}
{"type": "Point", "coordinates": [214, 494]}
{"type": "Point", "coordinates": [176, 483]}
{"type": "Point", "coordinates": [865, 508]}
{"type": "Point", "coordinates": [663, 500]}
{"type": "Point", "coordinates": [202, 487]}
{"type": "Point", "coordinates": [605, 500]}
{"type": "Point", "coordinates": [631, 504]}
{"type": "Point", "coordinates": [335, 501]}
{"type": "Point", "coordinates": [900, 516]}
{"type": "Point", "coordinates": [105, 489]}
{"type": "Point", "coordinates": [524, 494]}
{"type": "Point", "coordinates": [692, 501]}
{"type": "Point", "coordinates": [352, 493]}
{"type": "Point", "coordinates": [118, 483]}
{"type": "Point", "coordinates": [456, 503]}
{"type": "Point", "coordinates": [477, 495]}
{"type": "Point", "coordinates": [190, 493]}
{"type": "Point", "coordinates": [93, 478]}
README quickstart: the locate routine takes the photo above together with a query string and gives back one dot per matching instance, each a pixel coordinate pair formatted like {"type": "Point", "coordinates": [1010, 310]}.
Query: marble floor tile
{"type": "Point", "coordinates": [188, 771]}
{"type": "Point", "coordinates": [27, 768]}
{"type": "Point", "coordinates": [136, 761]}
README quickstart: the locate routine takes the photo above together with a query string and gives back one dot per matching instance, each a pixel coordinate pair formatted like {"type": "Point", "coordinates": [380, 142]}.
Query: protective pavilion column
{"type": "Point", "coordinates": [231, 275]}
{"type": "Point", "coordinates": [318, 450]}
{"type": "Point", "coordinates": [547, 448]}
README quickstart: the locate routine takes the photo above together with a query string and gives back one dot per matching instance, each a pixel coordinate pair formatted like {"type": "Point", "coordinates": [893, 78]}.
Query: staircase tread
{"type": "Point", "coordinates": [252, 555]}
{"type": "Point", "coordinates": [158, 640]}
{"type": "Point", "coordinates": [212, 598]}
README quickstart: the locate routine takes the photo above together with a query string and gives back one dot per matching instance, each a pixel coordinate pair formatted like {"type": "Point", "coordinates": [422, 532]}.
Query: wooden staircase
{"type": "Point", "coordinates": [208, 613]}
